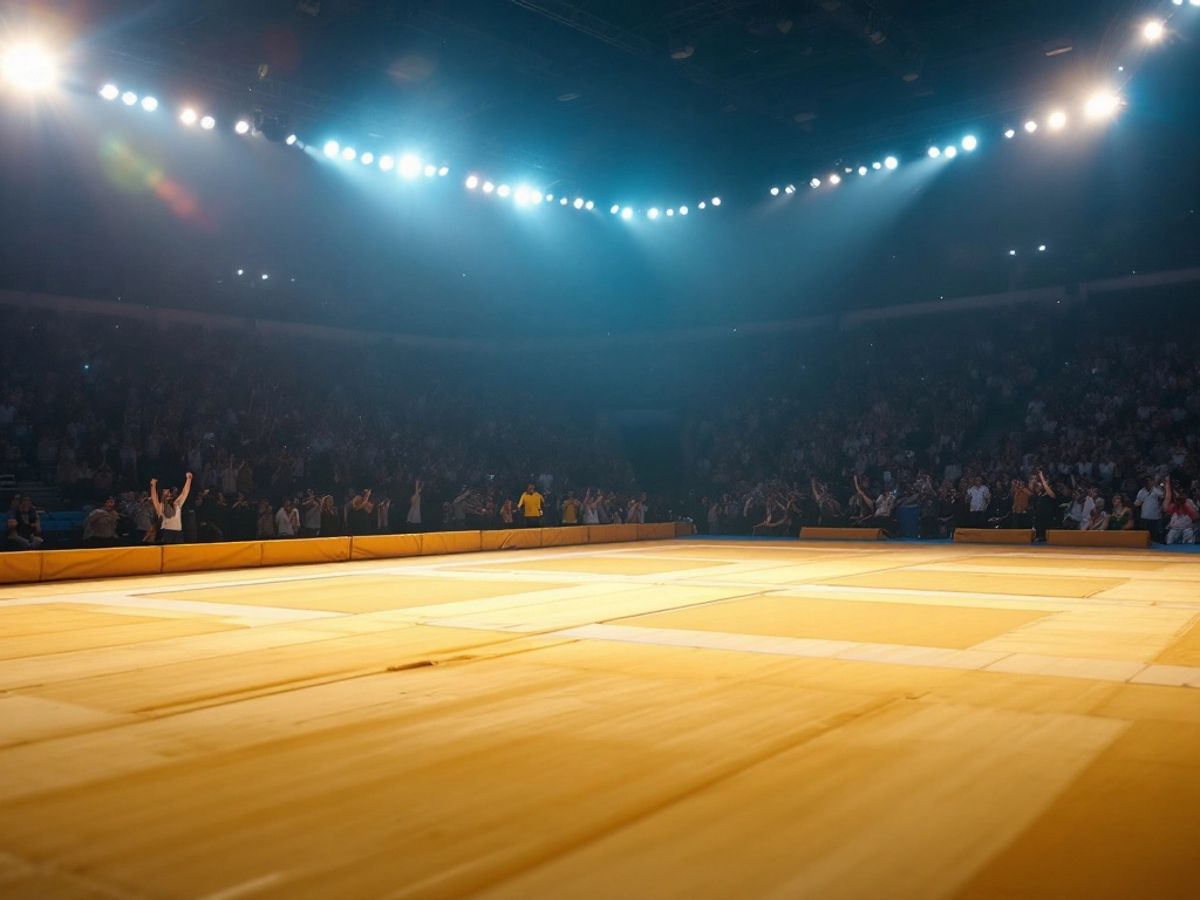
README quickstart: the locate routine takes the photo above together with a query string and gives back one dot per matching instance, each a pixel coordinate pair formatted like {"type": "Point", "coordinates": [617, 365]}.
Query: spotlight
{"type": "Point", "coordinates": [970, 142]}
{"type": "Point", "coordinates": [1041, 248]}
{"type": "Point", "coordinates": [1102, 105]}
{"type": "Point", "coordinates": [790, 189]}
{"type": "Point", "coordinates": [549, 198]}
{"type": "Point", "coordinates": [815, 183]}
{"type": "Point", "coordinates": [891, 162]}
{"type": "Point", "coordinates": [950, 152]}
{"type": "Point", "coordinates": [701, 205]}
{"type": "Point", "coordinates": [488, 187]}
{"type": "Point", "coordinates": [472, 181]}
{"type": "Point", "coordinates": [30, 67]}
{"type": "Point", "coordinates": [521, 194]}
{"type": "Point", "coordinates": [208, 123]}
{"type": "Point", "coordinates": [627, 214]}
{"type": "Point", "coordinates": [290, 140]}
{"type": "Point", "coordinates": [774, 192]}
{"type": "Point", "coordinates": [410, 165]}
{"type": "Point", "coordinates": [1031, 126]}
{"type": "Point", "coordinates": [578, 204]}
{"type": "Point", "coordinates": [1010, 133]}
{"type": "Point", "coordinates": [265, 276]}
{"type": "Point", "coordinates": [1057, 120]}
{"type": "Point", "coordinates": [443, 171]}
{"type": "Point", "coordinates": [614, 209]}
{"type": "Point", "coordinates": [862, 170]}
{"type": "Point", "coordinates": [349, 154]}
{"type": "Point", "coordinates": [332, 149]}
{"type": "Point", "coordinates": [110, 92]}
{"type": "Point", "coordinates": [243, 127]}
{"type": "Point", "coordinates": [367, 158]}
{"type": "Point", "coordinates": [149, 104]}
{"type": "Point", "coordinates": [430, 170]}
{"type": "Point", "coordinates": [683, 210]}
{"type": "Point", "coordinates": [716, 201]}
{"type": "Point", "coordinates": [536, 196]}
{"type": "Point", "coordinates": [503, 191]}
{"type": "Point", "coordinates": [934, 152]}
{"type": "Point", "coordinates": [188, 116]}
{"type": "Point", "coordinates": [1012, 252]}
{"type": "Point", "coordinates": [241, 272]}
{"type": "Point", "coordinates": [129, 98]}
{"type": "Point", "coordinates": [590, 205]}
{"type": "Point", "coordinates": [1153, 31]}
{"type": "Point", "coordinates": [876, 166]}
{"type": "Point", "coordinates": [835, 179]}
{"type": "Point", "coordinates": [670, 213]}
{"type": "Point", "coordinates": [652, 213]}
{"type": "Point", "coordinates": [562, 201]}
{"type": "Point", "coordinates": [386, 163]}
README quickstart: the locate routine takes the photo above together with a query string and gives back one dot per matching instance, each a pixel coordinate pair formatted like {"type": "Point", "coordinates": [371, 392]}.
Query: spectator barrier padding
{"type": "Point", "coordinates": [841, 534]}
{"type": "Point", "coordinates": [993, 535]}
{"type": "Point", "coordinates": [1123, 539]}
{"type": "Point", "coordinates": [60, 565]}
{"type": "Point", "coordinates": [385, 546]}
{"type": "Point", "coordinates": [684, 529]}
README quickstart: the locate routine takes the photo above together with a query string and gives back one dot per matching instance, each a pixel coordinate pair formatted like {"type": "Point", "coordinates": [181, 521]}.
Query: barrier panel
{"type": "Point", "coordinates": [1139, 540]}
{"type": "Point", "coordinates": [841, 534]}
{"type": "Point", "coordinates": [20, 566]}
{"type": "Point", "coordinates": [109, 562]}
{"type": "Point", "coordinates": [435, 543]}
{"type": "Point", "coordinates": [298, 551]}
{"type": "Point", "coordinates": [684, 529]}
{"type": "Point", "coordinates": [513, 539]}
{"type": "Point", "coordinates": [993, 535]}
{"type": "Point", "coordinates": [567, 536]}
{"type": "Point", "coordinates": [209, 557]}
{"type": "Point", "coordinates": [655, 532]}
{"type": "Point", "coordinates": [385, 546]}
{"type": "Point", "coordinates": [611, 534]}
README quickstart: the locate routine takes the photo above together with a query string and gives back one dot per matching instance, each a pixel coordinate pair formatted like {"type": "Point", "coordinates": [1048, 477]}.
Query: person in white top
{"type": "Point", "coordinates": [1149, 504]}
{"type": "Point", "coordinates": [287, 520]}
{"type": "Point", "coordinates": [978, 498]}
{"type": "Point", "coordinates": [170, 509]}
{"type": "Point", "coordinates": [414, 508]}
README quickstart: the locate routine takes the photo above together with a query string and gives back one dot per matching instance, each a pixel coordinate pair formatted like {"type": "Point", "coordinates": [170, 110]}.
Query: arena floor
{"type": "Point", "coordinates": [679, 719]}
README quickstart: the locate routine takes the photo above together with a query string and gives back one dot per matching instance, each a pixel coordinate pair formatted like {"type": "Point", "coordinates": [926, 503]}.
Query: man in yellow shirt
{"type": "Point", "coordinates": [530, 503]}
{"type": "Point", "coordinates": [570, 509]}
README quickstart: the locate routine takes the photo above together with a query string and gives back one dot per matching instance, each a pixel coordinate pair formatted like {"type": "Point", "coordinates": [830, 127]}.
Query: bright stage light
{"type": "Point", "coordinates": [488, 187]}
{"type": "Point", "coordinates": [1012, 252]}
{"type": "Point", "coordinates": [332, 149]}
{"type": "Point", "coordinates": [670, 213]}
{"type": "Point", "coordinates": [1153, 31]}
{"type": "Point", "coordinates": [521, 194]}
{"type": "Point", "coordinates": [535, 196]}
{"type": "Point", "coordinates": [1041, 248]}
{"type": "Point", "coordinates": [1010, 133]}
{"type": "Point", "coordinates": [367, 158]}
{"type": "Point", "coordinates": [683, 210]}
{"type": "Point", "coordinates": [503, 191]}
{"type": "Point", "coordinates": [208, 123]}
{"type": "Point", "coordinates": [614, 209]}
{"type": "Point", "coordinates": [562, 201]}
{"type": "Point", "coordinates": [815, 183]}
{"type": "Point", "coordinates": [149, 104]}
{"type": "Point", "coordinates": [549, 198]}
{"type": "Point", "coordinates": [891, 162]}
{"type": "Point", "coordinates": [1031, 126]}
{"type": "Point", "coordinates": [265, 276]}
{"type": "Point", "coordinates": [443, 171]}
{"type": "Point", "coordinates": [716, 201]}
{"type": "Point", "coordinates": [578, 204]}
{"type": "Point", "coordinates": [774, 192]}
{"type": "Point", "coordinates": [1102, 105]}
{"type": "Point", "coordinates": [241, 272]}
{"type": "Point", "coordinates": [430, 170]}
{"type": "Point", "coordinates": [110, 92]}
{"type": "Point", "coordinates": [188, 116]}
{"type": "Point", "coordinates": [876, 166]}
{"type": "Point", "coordinates": [863, 170]}
{"type": "Point", "coordinates": [472, 182]}
{"type": "Point", "coordinates": [790, 189]}
{"type": "Point", "coordinates": [29, 66]}
{"type": "Point", "coordinates": [590, 205]}
{"type": "Point", "coordinates": [627, 214]}
{"type": "Point", "coordinates": [652, 213]}
{"type": "Point", "coordinates": [970, 142]}
{"type": "Point", "coordinates": [701, 205]}
{"type": "Point", "coordinates": [348, 154]}
{"type": "Point", "coordinates": [410, 165]}
{"type": "Point", "coordinates": [129, 98]}
{"type": "Point", "coordinates": [835, 179]}
{"type": "Point", "coordinates": [243, 127]}
{"type": "Point", "coordinates": [386, 163]}
{"type": "Point", "coordinates": [290, 140]}
{"type": "Point", "coordinates": [935, 152]}
{"type": "Point", "coordinates": [1057, 120]}
{"type": "Point", "coordinates": [950, 152]}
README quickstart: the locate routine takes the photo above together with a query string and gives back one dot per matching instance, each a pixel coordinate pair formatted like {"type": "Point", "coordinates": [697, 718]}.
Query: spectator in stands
{"type": "Point", "coordinates": [169, 508]}
{"type": "Point", "coordinates": [265, 522]}
{"type": "Point", "coordinates": [413, 519]}
{"type": "Point", "coordinates": [570, 509]}
{"type": "Point", "coordinates": [1098, 519]}
{"type": "Point", "coordinates": [360, 516]}
{"type": "Point", "coordinates": [1181, 515]}
{"type": "Point", "coordinates": [979, 496]}
{"type": "Point", "coordinates": [100, 527]}
{"type": "Point", "coordinates": [24, 526]}
{"type": "Point", "coordinates": [530, 503]}
{"type": "Point", "coordinates": [310, 515]}
{"type": "Point", "coordinates": [329, 517]}
{"type": "Point", "coordinates": [1149, 504]}
{"type": "Point", "coordinates": [1121, 518]}
{"type": "Point", "coordinates": [287, 519]}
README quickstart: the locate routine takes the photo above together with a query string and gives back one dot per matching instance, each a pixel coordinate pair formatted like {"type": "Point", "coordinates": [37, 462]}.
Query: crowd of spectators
{"type": "Point", "coordinates": [1081, 417]}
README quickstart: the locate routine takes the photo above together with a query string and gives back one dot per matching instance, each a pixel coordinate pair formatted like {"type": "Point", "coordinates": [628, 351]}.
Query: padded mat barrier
{"type": "Point", "coordinates": [1123, 539]}
{"type": "Point", "coordinates": [993, 535]}
{"type": "Point", "coordinates": [841, 534]}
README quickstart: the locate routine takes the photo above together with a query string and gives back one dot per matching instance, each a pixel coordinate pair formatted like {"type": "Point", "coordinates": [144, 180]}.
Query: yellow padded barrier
{"type": "Point", "coordinates": [1124, 539]}
{"type": "Point", "coordinates": [207, 557]}
{"type": "Point", "coordinates": [384, 546]}
{"type": "Point", "coordinates": [438, 542]}
{"type": "Point", "coordinates": [513, 539]}
{"type": "Point", "coordinates": [610, 534]}
{"type": "Point", "coordinates": [656, 532]}
{"type": "Point", "coordinates": [20, 566]}
{"type": "Point", "coordinates": [841, 534]}
{"type": "Point", "coordinates": [298, 551]}
{"type": "Point", "coordinates": [567, 536]}
{"type": "Point", "coordinates": [993, 535]}
{"type": "Point", "coordinates": [109, 562]}
{"type": "Point", "coordinates": [684, 529]}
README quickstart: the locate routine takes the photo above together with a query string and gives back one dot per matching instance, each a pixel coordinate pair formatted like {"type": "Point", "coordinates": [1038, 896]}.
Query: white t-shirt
{"type": "Point", "coordinates": [1151, 500]}
{"type": "Point", "coordinates": [979, 496]}
{"type": "Point", "coordinates": [284, 526]}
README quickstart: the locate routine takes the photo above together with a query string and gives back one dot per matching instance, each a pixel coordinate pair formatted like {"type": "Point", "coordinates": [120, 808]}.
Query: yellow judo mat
{"type": "Point", "coordinates": [679, 719]}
